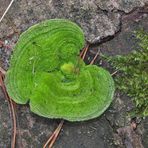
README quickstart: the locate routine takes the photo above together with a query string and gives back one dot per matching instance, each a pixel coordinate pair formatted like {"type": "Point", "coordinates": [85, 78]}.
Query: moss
{"type": "Point", "coordinates": [132, 77]}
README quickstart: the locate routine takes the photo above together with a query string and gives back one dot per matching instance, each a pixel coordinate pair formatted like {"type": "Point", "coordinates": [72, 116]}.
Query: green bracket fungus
{"type": "Point", "coordinates": [46, 71]}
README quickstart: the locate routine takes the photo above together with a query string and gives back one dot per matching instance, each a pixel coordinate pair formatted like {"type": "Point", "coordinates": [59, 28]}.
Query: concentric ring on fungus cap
{"type": "Point", "coordinates": [74, 92]}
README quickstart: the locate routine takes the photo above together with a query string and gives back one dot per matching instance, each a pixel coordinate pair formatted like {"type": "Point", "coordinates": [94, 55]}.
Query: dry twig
{"type": "Point", "coordinates": [93, 60]}
{"type": "Point", "coordinates": [81, 53]}
{"type": "Point", "coordinates": [84, 51]}
{"type": "Point", "coordinates": [114, 73]}
{"type": "Point", "coordinates": [11, 107]}
{"type": "Point", "coordinates": [54, 136]}
{"type": "Point", "coordinates": [6, 10]}
{"type": "Point", "coordinates": [2, 71]}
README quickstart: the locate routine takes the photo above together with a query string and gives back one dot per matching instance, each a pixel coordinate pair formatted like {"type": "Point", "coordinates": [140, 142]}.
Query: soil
{"type": "Point", "coordinates": [110, 28]}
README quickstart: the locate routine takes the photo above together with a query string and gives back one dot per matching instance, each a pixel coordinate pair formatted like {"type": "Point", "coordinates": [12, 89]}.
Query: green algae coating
{"type": "Point", "coordinates": [46, 71]}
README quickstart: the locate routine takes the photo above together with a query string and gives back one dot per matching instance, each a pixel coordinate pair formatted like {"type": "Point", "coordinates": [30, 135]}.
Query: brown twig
{"type": "Point", "coordinates": [13, 142]}
{"type": "Point", "coordinates": [84, 51]}
{"type": "Point", "coordinates": [54, 136]}
{"type": "Point", "coordinates": [81, 54]}
{"type": "Point", "coordinates": [114, 73]}
{"type": "Point", "coordinates": [2, 71]}
{"type": "Point", "coordinates": [6, 10]}
{"type": "Point", "coordinates": [93, 60]}
{"type": "Point", "coordinates": [11, 108]}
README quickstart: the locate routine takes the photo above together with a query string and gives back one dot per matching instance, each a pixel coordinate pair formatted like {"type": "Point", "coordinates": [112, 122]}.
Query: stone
{"type": "Point", "coordinates": [95, 22]}
{"type": "Point", "coordinates": [122, 5]}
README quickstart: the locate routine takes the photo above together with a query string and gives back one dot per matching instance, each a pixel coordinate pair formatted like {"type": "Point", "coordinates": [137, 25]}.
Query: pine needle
{"type": "Point", "coordinates": [54, 136]}
{"type": "Point", "coordinates": [11, 108]}
{"type": "Point", "coordinates": [84, 51]}
{"type": "Point", "coordinates": [93, 60]}
{"type": "Point", "coordinates": [6, 10]}
{"type": "Point", "coordinates": [114, 73]}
